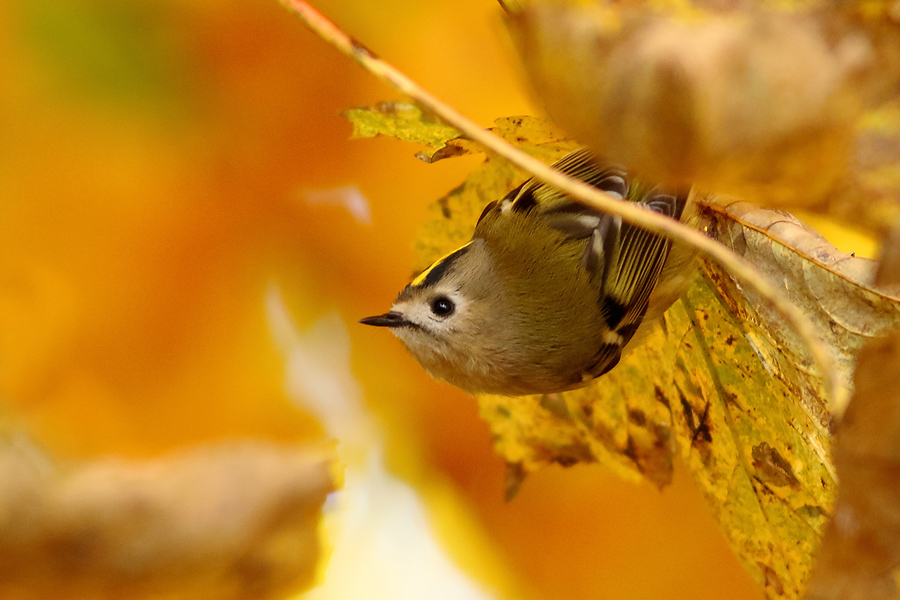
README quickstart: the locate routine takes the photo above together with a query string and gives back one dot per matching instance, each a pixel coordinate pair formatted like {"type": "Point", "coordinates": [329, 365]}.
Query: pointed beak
{"type": "Point", "coordinates": [390, 319]}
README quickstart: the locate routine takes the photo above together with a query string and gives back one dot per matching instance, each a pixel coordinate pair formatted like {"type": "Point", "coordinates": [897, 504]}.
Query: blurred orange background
{"type": "Point", "coordinates": [155, 157]}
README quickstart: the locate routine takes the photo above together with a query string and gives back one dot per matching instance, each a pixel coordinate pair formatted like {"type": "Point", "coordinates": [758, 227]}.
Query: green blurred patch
{"type": "Point", "coordinates": [124, 52]}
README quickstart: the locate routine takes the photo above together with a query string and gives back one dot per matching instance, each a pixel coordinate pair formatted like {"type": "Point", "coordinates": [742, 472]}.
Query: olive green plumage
{"type": "Point", "coordinates": [547, 294]}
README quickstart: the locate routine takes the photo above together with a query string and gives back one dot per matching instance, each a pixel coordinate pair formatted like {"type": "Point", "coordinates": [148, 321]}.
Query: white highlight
{"type": "Point", "coordinates": [378, 525]}
{"type": "Point", "coordinates": [348, 197]}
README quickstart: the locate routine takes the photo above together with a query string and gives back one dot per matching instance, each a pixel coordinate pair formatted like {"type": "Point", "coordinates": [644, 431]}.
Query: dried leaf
{"type": "Point", "coordinates": [861, 548]}
{"type": "Point", "coordinates": [869, 195]}
{"type": "Point", "coordinates": [228, 521]}
{"type": "Point", "coordinates": [833, 289]}
{"type": "Point", "coordinates": [759, 103]}
{"type": "Point", "coordinates": [862, 544]}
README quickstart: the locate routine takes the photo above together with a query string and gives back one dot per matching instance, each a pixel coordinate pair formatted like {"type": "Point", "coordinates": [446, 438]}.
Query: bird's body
{"type": "Point", "coordinates": [545, 296]}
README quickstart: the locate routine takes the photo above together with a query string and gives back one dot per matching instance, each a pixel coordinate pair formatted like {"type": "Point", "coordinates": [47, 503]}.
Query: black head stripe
{"type": "Point", "coordinates": [437, 271]}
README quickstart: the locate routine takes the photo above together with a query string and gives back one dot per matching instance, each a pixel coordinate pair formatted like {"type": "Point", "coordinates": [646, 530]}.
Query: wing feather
{"type": "Point", "coordinates": [624, 260]}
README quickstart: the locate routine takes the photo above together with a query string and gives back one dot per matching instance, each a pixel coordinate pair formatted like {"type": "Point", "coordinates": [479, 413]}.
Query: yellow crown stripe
{"type": "Point", "coordinates": [421, 277]}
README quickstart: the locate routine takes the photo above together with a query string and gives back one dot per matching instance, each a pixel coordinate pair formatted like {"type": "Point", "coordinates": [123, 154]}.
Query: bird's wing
{"type": "Point", "coordinates": [623, 260]}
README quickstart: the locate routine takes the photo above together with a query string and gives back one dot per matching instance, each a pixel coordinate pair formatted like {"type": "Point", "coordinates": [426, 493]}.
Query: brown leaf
{"type": "Point", "coordinates": [869, 195]}
{"type": "Point", "coordinates": [761, 104]}
{"type": "Point", "coordinates": [861, 547]}
{"type": "Point", "coordinates": [834, 289]}
{"type": "Point", "coordinates": [862, 544]}
{"type": "Point", "coordinates": [225, 522]}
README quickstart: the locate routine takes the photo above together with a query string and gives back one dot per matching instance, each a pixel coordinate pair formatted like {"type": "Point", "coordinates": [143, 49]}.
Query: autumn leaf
{"type": "Point", "coordinates": [861, 547]}
{"type": "Point", "coordinates": [869, 193]}
{"type": "Point", "coordinates": [760, 103]}
{"type": "Point", "coordinates": [229, 521]}
{"type": "Point", "coordinates": [401, 120]}
{"type": "Point", "coordinates": [407, 122]}
{"type": "Point", "coordinates": [765, 104]}
{"type": "Point", "coordinates": [738, 427]}
{"type": "Point", "coordinates": [740, 401]}
{"type": "Point", "coordinates": [860, 552]}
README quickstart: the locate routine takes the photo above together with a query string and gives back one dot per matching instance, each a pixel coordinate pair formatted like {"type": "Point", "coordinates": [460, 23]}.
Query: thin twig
{"type": "Point", "coordinates": [631, 212]}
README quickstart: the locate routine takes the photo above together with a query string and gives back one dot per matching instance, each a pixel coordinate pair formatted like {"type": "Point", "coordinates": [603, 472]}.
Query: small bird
{"type": "Point", "coordinates": [548, 292]}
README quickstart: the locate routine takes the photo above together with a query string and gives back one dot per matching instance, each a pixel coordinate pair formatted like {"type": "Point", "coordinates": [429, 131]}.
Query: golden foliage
{"type": "Point", "coordinates": [722, 381]}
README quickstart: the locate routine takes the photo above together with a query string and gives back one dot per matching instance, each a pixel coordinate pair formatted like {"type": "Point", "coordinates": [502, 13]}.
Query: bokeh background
{"type": "Point", "coordinates": [164, 163]}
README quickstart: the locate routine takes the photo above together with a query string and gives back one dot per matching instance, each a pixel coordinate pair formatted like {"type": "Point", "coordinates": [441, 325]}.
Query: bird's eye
{"type": "Point", "coordinates": [442, 306]}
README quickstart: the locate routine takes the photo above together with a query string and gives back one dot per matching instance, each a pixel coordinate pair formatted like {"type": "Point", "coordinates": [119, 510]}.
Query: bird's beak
{"type": "Point", "coordinates": [389, 319]}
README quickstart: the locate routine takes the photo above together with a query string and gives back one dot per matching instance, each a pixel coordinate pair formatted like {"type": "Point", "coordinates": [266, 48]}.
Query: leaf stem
{"type": "Point", "coordinates": [590, 196]}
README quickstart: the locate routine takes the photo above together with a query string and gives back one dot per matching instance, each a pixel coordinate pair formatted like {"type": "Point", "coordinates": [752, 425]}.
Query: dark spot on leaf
{"type": "Point", "coordinates": [702, 432]}
{"type": "Point", "coordinates": [663, 434]}
{"type": "Point", "coordinates": [729, 340]}
{"type": "Point", "coordinates": [565, 461]}
{"type": "Point", "coordinates": [630, 450]}
{"type": "Point", "coordinates": [812, 511]}
{"type": "Point", "coordinates": [503, 412]}
{"type": "Point", "coordinates": [448, 151]}
{"type": "Point", "coordinates": [687, 411]}
{"type": "Point", "coordinates": [555, 404]}
{"type": "Point", "coordinates": [637, 417]}
{"type": "Point", "coordinates": [771, 579]}
{"type": "Point", "coordinates": [772, 468]}
{"type": "Point", "coordinates": [445, 208]}
{"type": "Point", "coordinates": [588, 410]}
{"type": "Point", "coordinates": [661, 396]}
{"type": "Point", "coordinates": [515, 475]}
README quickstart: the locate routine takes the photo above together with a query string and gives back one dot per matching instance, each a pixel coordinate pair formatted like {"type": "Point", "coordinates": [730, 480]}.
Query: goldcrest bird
{"type": "Point", "coordinates": [547, 294]}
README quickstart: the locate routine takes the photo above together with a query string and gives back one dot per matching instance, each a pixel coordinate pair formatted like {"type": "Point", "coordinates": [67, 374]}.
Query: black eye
{"type": "Point", "coordinates": [442, 306]}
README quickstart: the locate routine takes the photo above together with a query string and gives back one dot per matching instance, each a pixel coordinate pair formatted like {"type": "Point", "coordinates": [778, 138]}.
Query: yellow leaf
{"type": "Point", "coordinates": [401, 120]}
{"type": "Point", "coordinates": [722, 381]}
